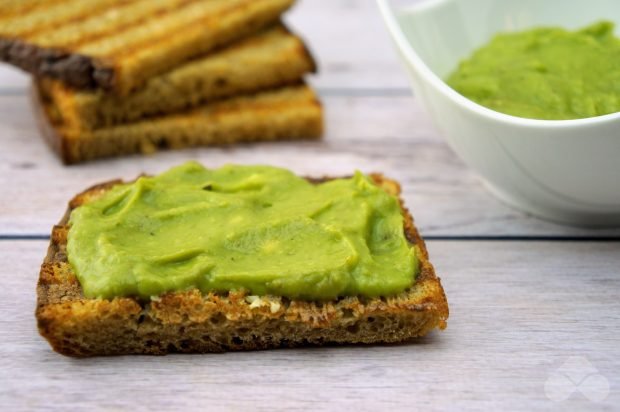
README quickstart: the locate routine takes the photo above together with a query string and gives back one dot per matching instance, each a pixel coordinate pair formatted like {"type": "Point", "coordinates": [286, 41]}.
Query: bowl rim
{"type": "Point", "coordinates": [389, 17]}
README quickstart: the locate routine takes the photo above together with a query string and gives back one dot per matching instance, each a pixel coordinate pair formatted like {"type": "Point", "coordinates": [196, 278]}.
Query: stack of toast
{"type": "Point", "coordinates": [115, 77]}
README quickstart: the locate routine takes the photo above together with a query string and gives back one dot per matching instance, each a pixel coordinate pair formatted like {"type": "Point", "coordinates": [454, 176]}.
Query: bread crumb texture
{"type": "Point", "coordinates": [192, 322]}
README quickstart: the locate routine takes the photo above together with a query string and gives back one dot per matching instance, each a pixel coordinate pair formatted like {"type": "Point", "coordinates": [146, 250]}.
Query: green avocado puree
{"type": "Point", "coordinates": [255, 228]}
{"type": "Point", "coordinates": [545, 73]}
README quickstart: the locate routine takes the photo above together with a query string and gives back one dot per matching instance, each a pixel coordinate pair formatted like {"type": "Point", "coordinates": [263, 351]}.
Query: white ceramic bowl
{"type": "Point", "coordinates": [563, 170]}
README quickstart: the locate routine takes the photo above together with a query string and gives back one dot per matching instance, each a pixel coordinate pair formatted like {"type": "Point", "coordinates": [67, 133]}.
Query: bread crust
{"type": "Point", "coordinates": [192, 322]}
{"type": "Point", "coordinates": [75, 69]}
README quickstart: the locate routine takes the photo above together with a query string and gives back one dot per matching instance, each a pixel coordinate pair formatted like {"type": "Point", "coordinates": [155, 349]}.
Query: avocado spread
{"type": "Point", "coordinates": [255, 228]}
{"type": "Point", "coordinates": [545, 73]}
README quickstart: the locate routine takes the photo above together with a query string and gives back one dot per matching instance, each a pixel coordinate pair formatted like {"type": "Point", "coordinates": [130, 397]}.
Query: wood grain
{"type": "Point", "coordinates": [389, 134]}
{"type": "Point", "coordinates": [518, 311]}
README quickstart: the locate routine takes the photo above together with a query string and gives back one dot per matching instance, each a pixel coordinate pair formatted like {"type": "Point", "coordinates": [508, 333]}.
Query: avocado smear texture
{"type": "Point", "coordinates": [255, 228]}
{"type": "Point", "coordinates": [545, 73]}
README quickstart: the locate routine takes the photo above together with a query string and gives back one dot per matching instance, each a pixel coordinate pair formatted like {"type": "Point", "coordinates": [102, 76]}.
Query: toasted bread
{"type": "Point", "coordinates": [287, 113]}
{"type": "Point", "coordinates": [272, 58]}
{"type": "Point", "coordinates": [117, 45]}
{"type": "Point", "coordinates": [193, 322]}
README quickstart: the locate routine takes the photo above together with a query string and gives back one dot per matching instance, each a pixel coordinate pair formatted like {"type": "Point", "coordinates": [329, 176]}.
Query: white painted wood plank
{"type": "Point", "coordinates": [386, 134]}
{"type": "Point", "coordinates": [12, 78]}
{"type": "Point", "coordinates": [347, 37]}
{"type": "Point", "coordinates": [518, 311]}
{"type": "Point", "coordinates": [351, 43]}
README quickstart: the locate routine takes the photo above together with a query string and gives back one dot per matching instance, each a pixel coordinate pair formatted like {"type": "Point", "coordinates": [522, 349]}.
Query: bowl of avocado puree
{"type": "Point", "coordinates": [526, 92]}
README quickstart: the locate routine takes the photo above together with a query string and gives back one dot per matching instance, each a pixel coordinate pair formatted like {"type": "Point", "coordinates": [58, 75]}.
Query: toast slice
{"type": "Point", "coordinates": [117, 45]}
{"type": "Point", "coordinates": [292, 112]}
{"type": "Point", "coordinates": [273, 58]}
{"type": "Point", "coordinates": [192, 322]}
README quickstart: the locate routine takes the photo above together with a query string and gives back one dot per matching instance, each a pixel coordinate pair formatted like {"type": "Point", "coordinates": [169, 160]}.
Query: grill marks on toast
{"type": "Point", "coordinates": [95, 31]}
{"type": "Point", "coordinates": [118, 44]}
{"type": "Point", "coordinates": [51, 17]}
{"type": "Point", "coordinates": [9, 8]}
{"type": "Point", "coordinates": [69, 24]}
{"type": "Point", "coordinates": [190, 40]}
{"type": "Point", "coordinates": [193, 322]}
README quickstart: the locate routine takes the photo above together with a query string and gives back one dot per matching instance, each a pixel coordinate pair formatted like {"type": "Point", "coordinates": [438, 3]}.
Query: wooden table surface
{"type": "Point", "coordinates": [534, 306]}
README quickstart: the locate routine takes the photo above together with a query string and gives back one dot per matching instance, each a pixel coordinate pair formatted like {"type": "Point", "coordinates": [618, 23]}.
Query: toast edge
{"type": "Point", "coordinates": [304, 48]}
{"type": "Point", "coordinates": [74, 69]}
{"type": "Point", "coordinates": [71, 149]}
{"type": "Point", "coordinates": [41, 106]}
